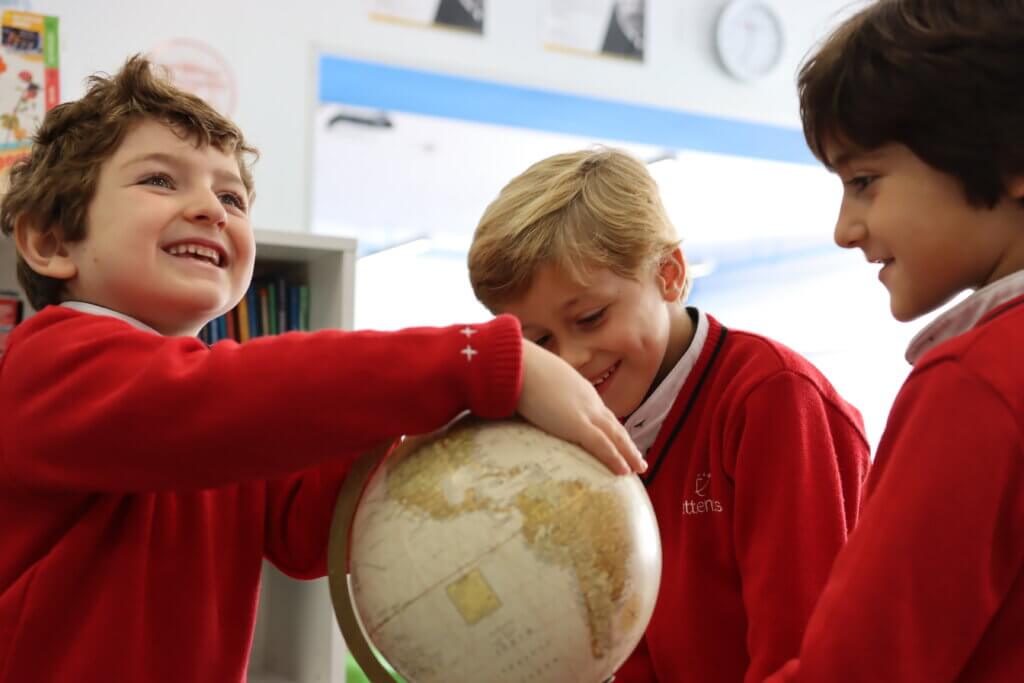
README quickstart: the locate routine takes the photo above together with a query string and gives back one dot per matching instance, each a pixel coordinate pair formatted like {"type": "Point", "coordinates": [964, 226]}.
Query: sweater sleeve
{"type": "Point", "coordinates": [938, 545]}
{"type": "Point", "coordinates": [299, 511]}
{"type": "Point", "coordinates": [102, 406]}
{"type": "Point", "coordinates": [800, 461]}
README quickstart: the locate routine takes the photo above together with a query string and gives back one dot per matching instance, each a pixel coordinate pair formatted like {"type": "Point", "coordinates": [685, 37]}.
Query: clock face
{"type": "Point", "coordinates": [749, 38]}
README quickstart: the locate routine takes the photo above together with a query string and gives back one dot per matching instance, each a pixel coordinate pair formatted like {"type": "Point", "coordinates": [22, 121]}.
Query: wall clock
{"type": "Point", "coordinates": [749, 38]}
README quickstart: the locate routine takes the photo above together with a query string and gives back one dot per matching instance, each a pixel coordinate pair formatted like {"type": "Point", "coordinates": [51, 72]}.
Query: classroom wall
{"type": "Point", "coordinates": [270, 49]}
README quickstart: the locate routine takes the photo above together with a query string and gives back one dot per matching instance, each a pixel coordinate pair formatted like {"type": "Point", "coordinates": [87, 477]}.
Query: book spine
{"type": "Point", "coordinates": [264, 299]}
{"type": "Point", "coordinates": [272, 308]}
{"type": "Point", "coordinates": [282, 305]}
{"type": "Point", "coordinates": [304, 308]}
{"type": "Point", "coordinates": [243, 320]}
{"type": "Point", "coordinates": [254, 312]}
{"type": "Point", "coordinates": [293, 307]}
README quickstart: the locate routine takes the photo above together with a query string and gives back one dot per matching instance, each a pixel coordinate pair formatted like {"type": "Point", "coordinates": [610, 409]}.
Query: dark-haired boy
{"type": "Point", "coordinates": [917, 106]}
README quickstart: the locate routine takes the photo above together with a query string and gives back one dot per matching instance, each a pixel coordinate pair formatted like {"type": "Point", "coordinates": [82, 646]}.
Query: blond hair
{"type": "Point", "coordinates": [582, 211]}
{"type": "Point", "coordinates": [54, 185]}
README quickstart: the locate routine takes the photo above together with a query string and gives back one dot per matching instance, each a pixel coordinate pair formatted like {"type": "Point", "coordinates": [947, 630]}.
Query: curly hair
{"type": "Point", "coordinates": [52, 187]}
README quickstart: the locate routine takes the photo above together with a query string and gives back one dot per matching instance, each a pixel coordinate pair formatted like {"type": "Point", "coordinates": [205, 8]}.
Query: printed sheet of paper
{"type": "Point", "coordinates": [467, 15]}
{"type": "Point", "coordinates": [595, 27]}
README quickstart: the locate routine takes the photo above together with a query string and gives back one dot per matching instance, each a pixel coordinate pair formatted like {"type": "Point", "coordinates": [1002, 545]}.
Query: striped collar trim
{"type": "Point", "coordinates": [965, 315]}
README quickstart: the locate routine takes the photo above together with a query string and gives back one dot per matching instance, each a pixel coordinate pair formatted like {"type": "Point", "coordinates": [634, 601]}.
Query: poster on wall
{"type": "Point", "coordinates": [29, 80]}
{"type": "Point", "coordinates": [595, 27]}
{"type": "Point", "coordinates": [198, 68]}
{"type": "Point", "coordinates": [465, 15]}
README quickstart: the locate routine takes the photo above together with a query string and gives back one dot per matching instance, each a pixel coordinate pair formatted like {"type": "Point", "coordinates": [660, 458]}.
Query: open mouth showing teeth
{"type": "Point", "coordinates": [198, 252]}
{"type": "Point", "coordinates": [607, 373]}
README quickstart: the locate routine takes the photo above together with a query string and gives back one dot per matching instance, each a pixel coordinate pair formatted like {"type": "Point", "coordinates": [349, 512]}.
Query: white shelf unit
{"type": "Point", "coordinates": [9, 270]}
{"type": "Point", "coordinates": [297, 639]}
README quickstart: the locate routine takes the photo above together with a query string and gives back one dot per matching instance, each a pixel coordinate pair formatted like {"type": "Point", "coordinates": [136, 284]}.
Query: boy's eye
{"type": "Point", "coordinates": [158, 180]}
{"type": "Point", "coordinates": [592, 318]}
{"type": "Point", "coordinates": [861, 182]}
{"type": "Point", "coordinates": [232, 199]}
{"type": "Point", "coordinates": [542, 340]}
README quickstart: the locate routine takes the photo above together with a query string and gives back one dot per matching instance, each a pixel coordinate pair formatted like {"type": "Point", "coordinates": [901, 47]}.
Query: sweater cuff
{"type": "Point", "coordinates": [495, 384]}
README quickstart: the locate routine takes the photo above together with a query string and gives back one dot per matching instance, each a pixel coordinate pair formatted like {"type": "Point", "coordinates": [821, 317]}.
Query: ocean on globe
{"type": "Point", "coordinates": [495, 552]}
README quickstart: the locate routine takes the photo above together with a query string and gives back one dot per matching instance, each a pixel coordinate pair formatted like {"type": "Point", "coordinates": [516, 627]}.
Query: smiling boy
{"type": "Point", "coordinates": [917, 107]}
{"type": "Point", "coordinates": [756, 461]}
{"type": "Point", "coordinates": [145, 476]}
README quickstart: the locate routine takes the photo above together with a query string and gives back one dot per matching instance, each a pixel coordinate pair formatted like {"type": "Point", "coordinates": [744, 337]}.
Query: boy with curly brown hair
{"type": "Point", "coordinates": [145, 476]}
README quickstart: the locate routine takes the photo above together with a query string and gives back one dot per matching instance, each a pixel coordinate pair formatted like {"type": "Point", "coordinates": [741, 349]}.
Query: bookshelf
{"type": "Point", "coordinates": [326, 264]}
{"type": "Point", "coordinates": [296, 638]}
{"type": "Point", "coordinates": [9, 270]}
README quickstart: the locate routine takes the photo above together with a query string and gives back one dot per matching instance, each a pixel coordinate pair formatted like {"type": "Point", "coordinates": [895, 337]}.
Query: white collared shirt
{"type": "Point", "coordinates": [965, 315]}
{"type": "Point", "coordinates": [94, 309]}
{"type": "Point", "coordinates": [645, 422]}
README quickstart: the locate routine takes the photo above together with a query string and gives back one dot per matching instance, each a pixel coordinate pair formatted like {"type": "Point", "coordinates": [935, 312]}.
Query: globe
{"type": "Point", "coordinates": [492, 552]}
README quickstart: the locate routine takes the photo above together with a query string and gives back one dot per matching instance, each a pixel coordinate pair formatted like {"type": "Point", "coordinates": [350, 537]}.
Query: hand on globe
{"type": "Point", "coordinates": [560, 401]}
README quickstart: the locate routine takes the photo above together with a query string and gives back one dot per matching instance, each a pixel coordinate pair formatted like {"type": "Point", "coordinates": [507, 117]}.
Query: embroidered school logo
{"type": "Point", "coordinates": [702, 504]}
{"type": "Point", "coordinates": [703, 479]}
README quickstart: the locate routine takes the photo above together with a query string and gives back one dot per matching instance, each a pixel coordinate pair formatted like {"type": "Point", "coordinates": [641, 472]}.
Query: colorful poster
{"type": "Point", "coordinates": [29, 79]}
{"type": "Point", "coordinates": [199, 68]}
{"type": "Point", "coordinates": [466, 15]}
{"type": "Point", "coordinates": [595, 27]}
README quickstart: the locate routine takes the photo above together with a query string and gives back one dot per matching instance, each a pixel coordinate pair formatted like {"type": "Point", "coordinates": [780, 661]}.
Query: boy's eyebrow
{"type": "Point", "coordinates": [172, 160]}
{"type": "Point", "coordinates": [572, 302]}
{"type": "Point", "coordinates": [846, 157]}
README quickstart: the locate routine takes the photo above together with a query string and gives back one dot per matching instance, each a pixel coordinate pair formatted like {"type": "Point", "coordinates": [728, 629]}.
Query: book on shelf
{"type": "Point", "coordinates": [272, 305]}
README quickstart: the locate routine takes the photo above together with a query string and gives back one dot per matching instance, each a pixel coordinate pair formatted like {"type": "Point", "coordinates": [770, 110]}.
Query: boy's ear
{"type": "Point", "coordinates": [672, 275]}
{"type": "Point", "coordinates": [44, 251]}
{"type": "Point", "coordinates": [1015, 187]}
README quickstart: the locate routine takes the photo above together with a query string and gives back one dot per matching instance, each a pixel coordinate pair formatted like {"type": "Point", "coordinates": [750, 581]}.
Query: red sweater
{"type": "Point", "coordinates": [143, 479]}
{"type": "Point", "coordinates": [755, 478]}
{"type": "Point", "coordinates": [931, 586]}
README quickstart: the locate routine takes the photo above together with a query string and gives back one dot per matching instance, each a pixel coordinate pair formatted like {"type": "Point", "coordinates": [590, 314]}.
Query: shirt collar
{"type": "Point", "coordinates": [645, 422]}
{"type": "Point", "coordinates": [93, 309]}
{"type": "Point", "coordinates": [965, 315]}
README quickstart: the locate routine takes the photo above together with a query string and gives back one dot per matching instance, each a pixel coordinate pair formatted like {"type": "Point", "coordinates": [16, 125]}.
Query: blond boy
{"type": "Point", "coordinates": [756, 463]}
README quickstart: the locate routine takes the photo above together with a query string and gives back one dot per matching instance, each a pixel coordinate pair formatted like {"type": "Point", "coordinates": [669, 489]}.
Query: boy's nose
{"type": "Point", "coordinates": [207, 208]}
{"type": "Point", "coordinates": [850, 231]}
{"type": "Point", "coordinates": [575, 355]}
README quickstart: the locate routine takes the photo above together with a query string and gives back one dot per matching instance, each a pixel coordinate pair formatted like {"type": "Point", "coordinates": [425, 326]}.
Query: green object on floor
{"type": "Point", "coordinates": [354, 674]}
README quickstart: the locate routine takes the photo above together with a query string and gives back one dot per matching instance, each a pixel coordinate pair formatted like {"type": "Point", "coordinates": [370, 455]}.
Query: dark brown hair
{"type": "Point", "coordinates": [53, 186]}
{"type": "Point", "coordinates": [943, 77]}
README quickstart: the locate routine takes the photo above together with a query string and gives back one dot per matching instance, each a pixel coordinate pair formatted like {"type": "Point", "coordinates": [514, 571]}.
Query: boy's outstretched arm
{"type": "Point", "coordinates": [559, 400]}
{"type": "Point", "coordinates": [106, 407]}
